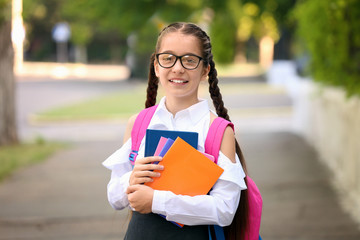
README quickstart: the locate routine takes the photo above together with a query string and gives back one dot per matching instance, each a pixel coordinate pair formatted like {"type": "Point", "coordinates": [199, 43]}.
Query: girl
{"type": "Point", "coordinates": [182, 60]}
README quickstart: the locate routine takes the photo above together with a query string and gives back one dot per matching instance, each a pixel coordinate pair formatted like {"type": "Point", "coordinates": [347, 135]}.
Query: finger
{"type": "Point", "coordinates": [148, 160]}
{"type": "Point", "coordinates": [138, 181]}
{"type": "Point", "coordinates": [147, 167]}
{"type": "Point", "coordinates": [141, 180]}
{"type": "Point", "coordinates": [141, 174]}
{"type": "Point", "coordinates": [158, 167]}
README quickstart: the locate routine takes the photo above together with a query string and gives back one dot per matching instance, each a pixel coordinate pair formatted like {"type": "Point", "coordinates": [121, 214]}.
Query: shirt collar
{"type": "Point", "coordinates": [194, 113]}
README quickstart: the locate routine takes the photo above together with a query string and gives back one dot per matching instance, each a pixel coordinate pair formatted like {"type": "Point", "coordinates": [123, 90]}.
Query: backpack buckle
{"type": "Point", "coordinates": [132, 156]}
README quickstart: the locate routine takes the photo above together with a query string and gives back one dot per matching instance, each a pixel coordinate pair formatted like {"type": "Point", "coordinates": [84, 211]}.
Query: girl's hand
{"type": "Point", "coordinates": [140, 198]}
{"type": "Point", "coordinates": [143, 170]}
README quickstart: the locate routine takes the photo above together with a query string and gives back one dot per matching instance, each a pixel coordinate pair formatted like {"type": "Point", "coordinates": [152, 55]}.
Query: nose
{"type": "Point", "coordinates": [178, 67]}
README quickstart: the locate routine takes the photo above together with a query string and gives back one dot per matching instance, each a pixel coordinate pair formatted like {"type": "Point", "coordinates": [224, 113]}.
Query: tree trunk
{"type": "Point", "coordinates": [8, 132]}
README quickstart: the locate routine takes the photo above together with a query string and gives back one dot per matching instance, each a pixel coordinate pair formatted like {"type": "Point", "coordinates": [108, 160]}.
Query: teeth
{"type": "Point", "coordinates": [178, 81]}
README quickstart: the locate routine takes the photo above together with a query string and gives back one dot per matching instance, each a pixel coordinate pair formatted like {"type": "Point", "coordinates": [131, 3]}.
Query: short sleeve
{"type": "Point", "coordinates": [120, 158]}
{"type": "Point", "coordinates": [233, 172]}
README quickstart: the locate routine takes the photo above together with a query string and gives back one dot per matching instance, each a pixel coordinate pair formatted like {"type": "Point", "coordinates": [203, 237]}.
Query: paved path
{"type": "Point", "coordinates": [65, 197]}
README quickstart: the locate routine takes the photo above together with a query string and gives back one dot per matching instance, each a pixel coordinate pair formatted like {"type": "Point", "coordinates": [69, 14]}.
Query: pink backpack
{"type": "Point", "coordinates": [212, 147]}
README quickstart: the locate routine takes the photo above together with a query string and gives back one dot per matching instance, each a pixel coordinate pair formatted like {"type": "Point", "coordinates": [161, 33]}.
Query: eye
{"type": "Point", "coordinates": [190, 59]}
{"type": "Point", "coordinates": [167, 57]}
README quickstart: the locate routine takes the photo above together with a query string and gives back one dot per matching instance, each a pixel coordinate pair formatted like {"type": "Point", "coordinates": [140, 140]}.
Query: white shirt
{"type": "Point", "coordinates": [217, 208]}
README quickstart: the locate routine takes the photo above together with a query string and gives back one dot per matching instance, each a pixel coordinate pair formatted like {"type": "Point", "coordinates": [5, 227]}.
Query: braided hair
{"type": "Point", "coordinates": [237, 228]}
{"type": "Point", "coordinates": [153, 84]}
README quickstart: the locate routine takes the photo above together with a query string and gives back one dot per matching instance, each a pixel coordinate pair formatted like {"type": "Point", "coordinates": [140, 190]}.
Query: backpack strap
{"type": "Point", "coordinates": [215, 135]}
{"type": "Point", "coordinates": [139, 129]}
{"type": "Point", "coordinates": [212, 146]}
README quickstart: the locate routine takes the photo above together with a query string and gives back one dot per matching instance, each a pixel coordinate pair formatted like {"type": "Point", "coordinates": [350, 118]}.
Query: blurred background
{"type": "Point", "coordinates": [124, 32]}
{"type": "Point", "coordinates": [72, 72]}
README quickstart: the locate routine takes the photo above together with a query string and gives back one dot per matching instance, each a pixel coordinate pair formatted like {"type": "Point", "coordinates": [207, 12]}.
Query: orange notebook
{"type": "Point", "coordinates": [186, 171]}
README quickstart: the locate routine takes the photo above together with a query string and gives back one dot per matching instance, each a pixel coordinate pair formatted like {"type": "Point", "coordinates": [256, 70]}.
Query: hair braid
{"type": "Point", "coordinates": [215, 94]}
{"type": "Point", "coordinates": [153, 84]}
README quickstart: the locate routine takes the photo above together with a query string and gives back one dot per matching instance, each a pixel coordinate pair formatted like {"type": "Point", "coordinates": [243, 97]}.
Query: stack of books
{"type": "Point", "coordinates": [187, 171]}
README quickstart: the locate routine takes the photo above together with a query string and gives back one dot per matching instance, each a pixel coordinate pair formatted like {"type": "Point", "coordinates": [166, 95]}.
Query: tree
{"type": "Point", "coordinates": [231, 23]}
{"type": "Point", "coordinates": [333, 41]}
{"type": "Point", "coordinates": [8, 132]}
{"type": "Point", "coordinates": [138, 21]}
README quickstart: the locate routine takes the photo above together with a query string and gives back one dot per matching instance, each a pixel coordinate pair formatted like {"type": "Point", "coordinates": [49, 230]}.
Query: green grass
{"type": "Point", "coordinates": [22, 155]}
{"type": "Point", "coordinates": [119, 105]}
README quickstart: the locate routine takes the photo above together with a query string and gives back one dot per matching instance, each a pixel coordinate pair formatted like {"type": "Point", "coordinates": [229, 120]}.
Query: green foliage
{"type": "Point", "coordinates": [125, 16]}
{"type": "Point", "coordinates": [231, 22]}
{"type": "Point", "coordinates": [81, 33]}
{"type": "Point", "coordinates": [279, 9]}
{"type": "Point", "coordinates": [330, 32]}
{"type": "Point", "coordinates": [41, 12]}
{"type": "Point", "coordinates": [223, 38]}
{"type": "Point", "coordinates": [79, 14]}
{"type": "Point", "coordinates": [224, 24]}
{"type": "Point", "coordinates": [183, 12]}
{"type": "Point", "coordinates": [258, 18]}
{"type": "Point", "coordinates": [39, 17]}
{"type": "Point", "coordinates": [5, 10]}
{"type": "Point", "coordinates": [147, 37]}
{"type": "Point", "coordinates": [236, 22]}
{"type": "Point", "coordinates": [138, 19]}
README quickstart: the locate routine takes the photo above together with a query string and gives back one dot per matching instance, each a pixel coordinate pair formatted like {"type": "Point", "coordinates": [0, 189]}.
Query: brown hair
{"type": "Point", "coordinates": [237, 228]}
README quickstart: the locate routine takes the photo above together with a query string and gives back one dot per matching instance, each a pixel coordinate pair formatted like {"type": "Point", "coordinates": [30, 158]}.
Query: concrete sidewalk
{"type": "Point", "coordinates": [299, 202]}
{"type": "Point", "coordinates": [63, 198]}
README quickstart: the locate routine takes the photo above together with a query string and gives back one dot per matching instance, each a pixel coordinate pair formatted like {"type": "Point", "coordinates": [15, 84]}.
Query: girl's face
{"type": "Point", "coordinates": [178, 81]}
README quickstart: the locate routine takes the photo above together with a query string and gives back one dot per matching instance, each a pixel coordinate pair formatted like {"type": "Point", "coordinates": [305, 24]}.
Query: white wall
{"type": "Point", "coordinates": [330, 122]}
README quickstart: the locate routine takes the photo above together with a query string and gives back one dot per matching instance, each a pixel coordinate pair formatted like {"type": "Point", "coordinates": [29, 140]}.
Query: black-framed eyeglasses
{"type": "Point", "coordinates": [188, 61]}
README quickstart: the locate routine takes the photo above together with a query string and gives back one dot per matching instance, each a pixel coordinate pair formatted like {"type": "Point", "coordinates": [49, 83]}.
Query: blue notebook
{"type": "Point", "coordinates": [153, 136]}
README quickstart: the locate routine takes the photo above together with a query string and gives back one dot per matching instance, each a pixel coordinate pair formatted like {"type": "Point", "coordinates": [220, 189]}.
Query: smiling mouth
{"type": "Point", "coordinates": [178, 81]}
